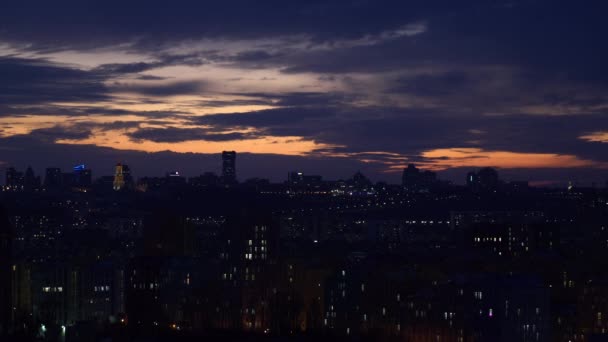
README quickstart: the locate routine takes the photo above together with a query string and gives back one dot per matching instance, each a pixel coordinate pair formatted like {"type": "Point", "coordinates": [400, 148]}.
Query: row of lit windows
{"type": "Point", "coordinates": [151, 286]}
{"type": "Point", "coordinates": [254, 256]}
{"type": "Point", "coordinates": [487, 239]}
{"type": "Point", "coordinates": [427, 222]}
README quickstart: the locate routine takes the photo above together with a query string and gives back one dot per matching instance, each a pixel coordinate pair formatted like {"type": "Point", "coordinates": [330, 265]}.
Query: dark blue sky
{"type": "Point", "coordinates": [327, 87]}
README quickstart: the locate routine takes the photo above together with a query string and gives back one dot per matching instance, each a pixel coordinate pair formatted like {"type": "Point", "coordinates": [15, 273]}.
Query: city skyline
{"type": "Point", "coordinates": [216, 166]}
{"type": "Point", "coordinates": [337, 87]}
{"type": "Point", "coordinates": [228, 174]}
{"type": "Point", "coordinates": [165, 258]}
{"type": "Point", "coordinates": [320, 170]}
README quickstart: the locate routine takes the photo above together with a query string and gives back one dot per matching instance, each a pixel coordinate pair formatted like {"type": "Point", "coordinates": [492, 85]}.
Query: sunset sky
{"type": "Point", "coordinates": [325, 87]}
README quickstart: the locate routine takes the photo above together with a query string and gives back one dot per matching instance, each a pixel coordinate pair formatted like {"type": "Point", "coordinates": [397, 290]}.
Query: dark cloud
{"type": "Point", "coordinates": [299, 99]}
{"type": "Point", "coordinates": [550, 38]}
{"type": "Point", "coordinates": [541, 34]}
{"type": "Point", "coordinates": [541, 134]}
{"type": "Point", "coordinates": [254, 56]}
{"type": "Point", "coordinates": [256, 59]}
{"type": "Point", "coordinates": [164, 89]}
{"type": "Point", "coordinates": [174, 134]}
{"type": "Point", "coordinates": [31, 81]}
{"type": "Point", "coordinates": [164, 60]}
{"type": "Point", "coordinates": [58, 132]}
{"type": "Point", "coordinates": [34, 86]}
{"type": "Point", "coordinates": [17, 110]}
{"type": "Point", "coordinates": [151, 78]}
{"type": "Point", "coordinates": [377, 128]}
{"type": "Point", "coordinates": [411, 131]}
{"type": "Point", "coordinates": [28, 83]}
{"type": "Point", "coordinates": [155, 21]}
{"type": "Point", "coordinates": [238, 102]}
{"type": "Point", "coordinates": [270, 119]}
{"type": "Point", "coordinates": [434, 85]}
{"type": "Point", "coordinates": [127, 68]}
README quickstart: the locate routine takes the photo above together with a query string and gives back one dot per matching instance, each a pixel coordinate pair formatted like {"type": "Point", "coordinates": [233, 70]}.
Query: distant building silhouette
{"type": "Point", "coordinates": [82, 176]}
{"type": "Point", "coordinates": [485, 179]}
{"type": "Point", "coordinates": [168, 234]}
{"type": "Point", "coordinates": [207, 179]}
{"type": "Point", "coordinates": [229, 167]}
{"type": "Point", "coordinates": [295, 178]}
{"type": "Point", "coordinates": [472, 179]}
{"type": "Point", "coordinates": [164, 271]}
{"type": "Point", "coordinates": [52, 178]}
{"type": "Point", "coordinates": [15, 181]}
{"type": "Point", "coordinates": [122, 177]}
{"type": "Point", "coordinates": [360, 181]}
{"type": "Point", "coordinates": [413, 179]}
{"type": "Point", "coordinates": [19, 181]}
{"type": "Point", "coordinates": [249, 241]}
{"type": "Point", "coordinates": [31, 181]}
{"type": "Point", "coordinates": [174, 178]}
{"type": "Point", "coordinates": [298, 178]}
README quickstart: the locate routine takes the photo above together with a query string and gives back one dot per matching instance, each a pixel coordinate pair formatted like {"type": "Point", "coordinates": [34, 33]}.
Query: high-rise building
{"type": "Point", "coordinates": [472, 179]}
{"type": "Point", "coordinates": [53, 177]}
{"type": "Point", "coordinates": [122, 177]}
{"type": "Point", "coordinates": [360, 181]}
{"type": "Point", "coordinates": [83, 177]}
{"type": "Point", "coordinates": [229, 167]}
{"type": "Point", "coordinates": [30, 179]}
{"type": "Point", "coordinates": [15, 180]}
{"type": "Point", "coordinates": [250, 238]}
{"type": "Point", "coordinates": [413, 179]}
{"type": "Point", "coordinates": [410, 176]}
{"type": "Point", "coordinates": [295, 178]}
{"type": "Point", "coordinates": [5, 273]}
{"type": "Point", "coordinates": [488, 178]}
{"type": "Point", "coordinates": [485, 179]}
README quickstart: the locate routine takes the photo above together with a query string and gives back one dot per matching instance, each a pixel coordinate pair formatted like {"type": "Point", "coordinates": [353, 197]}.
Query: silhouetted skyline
{"type": "Point", "coordinates": [271, 170]}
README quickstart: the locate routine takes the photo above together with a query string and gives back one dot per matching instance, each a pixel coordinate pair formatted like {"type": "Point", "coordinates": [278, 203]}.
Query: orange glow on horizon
{"type": "Point", "coordinates": [436, 159]}
{"type": "Point", "coordinates": [119, 139]}
{"type": "Point", "coordinates": [441, 159]}
{"type": "Point", "coordinates": [290, 145]}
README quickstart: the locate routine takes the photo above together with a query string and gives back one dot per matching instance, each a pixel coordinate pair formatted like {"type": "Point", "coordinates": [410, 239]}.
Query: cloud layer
{"type": "Point", "coordinates": [322, 85]}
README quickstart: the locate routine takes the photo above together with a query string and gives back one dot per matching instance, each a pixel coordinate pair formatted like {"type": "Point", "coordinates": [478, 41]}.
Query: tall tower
{"type": "Point", "coordinates": [410, 177]}
{"type": "Point", "coordinates": [122, 177]}
{"type": "Point", "coordinates": [229, 167]}
{"type": "Point", "coordinates": [30, 180]}
{"type": "Point", "coordinates": [82, 176]}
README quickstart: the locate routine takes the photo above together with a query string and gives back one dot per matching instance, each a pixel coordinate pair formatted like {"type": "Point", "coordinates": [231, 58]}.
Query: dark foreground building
{"type": "Point", "coordinates": [5, 273]}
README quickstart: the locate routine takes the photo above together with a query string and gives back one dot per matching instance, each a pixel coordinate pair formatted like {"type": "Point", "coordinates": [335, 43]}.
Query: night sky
{"type": "Point", "coordinates": [325, 87]}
